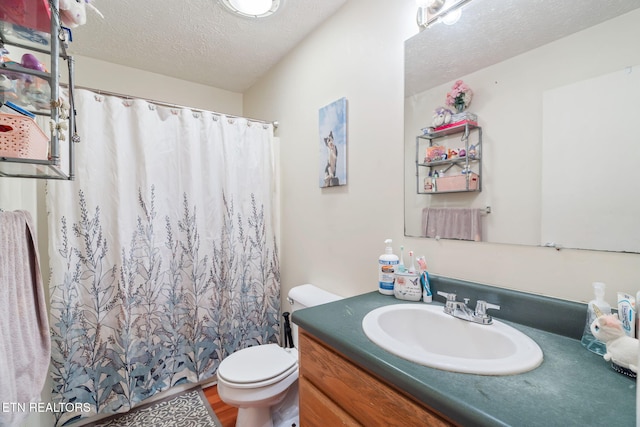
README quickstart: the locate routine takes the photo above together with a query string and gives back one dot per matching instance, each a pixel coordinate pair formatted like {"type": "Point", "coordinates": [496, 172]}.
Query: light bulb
{"type": "Point", "coordinates": [252, 7]}
{"type": "Point", "coordinates": [452, 17]}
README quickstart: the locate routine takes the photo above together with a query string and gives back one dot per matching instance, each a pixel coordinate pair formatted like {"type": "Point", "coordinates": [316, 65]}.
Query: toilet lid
{"type": "Point", "coordinates": [258, 364]}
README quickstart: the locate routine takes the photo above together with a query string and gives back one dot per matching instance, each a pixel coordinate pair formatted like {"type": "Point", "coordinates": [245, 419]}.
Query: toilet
{"type": "Point", "coordinates": [257, 379]}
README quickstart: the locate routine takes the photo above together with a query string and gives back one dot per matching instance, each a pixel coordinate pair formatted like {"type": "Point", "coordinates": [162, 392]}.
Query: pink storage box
{"type": "Point", "coordinates": [457, 182]}
{"type": "Point", "coordinates": [35, 14]}
{"type": "Point", "coordinates": [21, 137]}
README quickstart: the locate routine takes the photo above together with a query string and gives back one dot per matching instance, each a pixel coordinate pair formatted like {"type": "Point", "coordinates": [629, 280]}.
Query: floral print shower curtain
{"type": "Point", "coordinates": [162, 252]}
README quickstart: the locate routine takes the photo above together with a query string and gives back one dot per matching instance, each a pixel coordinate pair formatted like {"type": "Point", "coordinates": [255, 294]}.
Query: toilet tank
{"type": "Point", "coordinates": [304, 296]}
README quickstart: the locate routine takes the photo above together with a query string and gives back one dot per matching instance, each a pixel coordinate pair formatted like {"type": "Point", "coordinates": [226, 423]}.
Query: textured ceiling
{"type": "Point", "coordinates": [441, 51]}
{"type": "Point", "coordinates": [197, 40]}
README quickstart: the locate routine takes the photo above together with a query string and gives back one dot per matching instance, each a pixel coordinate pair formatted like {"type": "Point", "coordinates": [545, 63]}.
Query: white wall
{"type": "Point", "coordinates": [115, 78]}
{"type": "Point", "coordinates": [333, 237]}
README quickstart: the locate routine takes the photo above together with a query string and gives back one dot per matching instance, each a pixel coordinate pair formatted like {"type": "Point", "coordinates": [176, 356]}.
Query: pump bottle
{"type": "Point", "coordinates": [387, 265]}
{"type": "Point", "coordinates": [596, 308]}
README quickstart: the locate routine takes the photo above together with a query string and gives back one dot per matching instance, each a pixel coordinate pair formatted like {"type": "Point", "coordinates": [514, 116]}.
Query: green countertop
{"type": "Point", "coordinates": [572, 387]}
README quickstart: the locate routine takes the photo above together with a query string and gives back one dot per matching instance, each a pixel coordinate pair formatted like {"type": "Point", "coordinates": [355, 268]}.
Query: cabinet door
{"type": "Point", "coordinates": [365, 398]}
{"type": "Point", "coordinates": [317, 410]}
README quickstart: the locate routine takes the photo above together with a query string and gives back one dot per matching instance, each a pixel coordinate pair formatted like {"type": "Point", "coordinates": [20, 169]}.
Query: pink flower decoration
{"type": "Point", "coordinates": [460, 96]}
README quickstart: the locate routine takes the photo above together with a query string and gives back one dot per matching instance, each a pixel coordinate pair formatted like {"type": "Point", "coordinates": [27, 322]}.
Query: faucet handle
{"type": "Point", "coordinates": [448, 296]}
{"type": "Point", "coordinates": [482, 306]}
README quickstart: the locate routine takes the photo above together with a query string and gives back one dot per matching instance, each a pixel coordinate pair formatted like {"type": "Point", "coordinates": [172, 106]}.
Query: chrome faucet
{"type": "Point", "coordinates": [462, 311]}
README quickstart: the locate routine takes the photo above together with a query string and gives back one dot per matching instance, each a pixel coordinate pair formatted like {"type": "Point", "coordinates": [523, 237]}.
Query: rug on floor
{"type": "Point", "coordinates": [188, 409]}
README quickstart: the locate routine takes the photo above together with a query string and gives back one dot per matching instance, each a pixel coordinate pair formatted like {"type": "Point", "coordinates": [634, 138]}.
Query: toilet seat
{"type": "Point", "coordinates": [258, 366]}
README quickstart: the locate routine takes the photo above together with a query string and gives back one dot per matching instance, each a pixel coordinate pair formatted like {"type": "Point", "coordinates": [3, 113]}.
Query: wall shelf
{"type": "Point", "coordinates": [30, 168]}
{"type": "Point", "coordinates": [28, 16]}
{"type": "Point", "coordinates": [9, 68]}
{"type": "Point", "coordinates": [467, 168]}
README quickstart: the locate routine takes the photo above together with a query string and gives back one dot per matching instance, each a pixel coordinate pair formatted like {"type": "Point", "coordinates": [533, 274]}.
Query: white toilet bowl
{"type": "Point", "coordinates": [257, 378]}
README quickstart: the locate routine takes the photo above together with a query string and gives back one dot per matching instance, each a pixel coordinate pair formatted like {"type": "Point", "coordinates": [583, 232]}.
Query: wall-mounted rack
{"type": "Point", "coordinates": [22, 27]}
{"type": "Point", "coordinates": [467, 174]}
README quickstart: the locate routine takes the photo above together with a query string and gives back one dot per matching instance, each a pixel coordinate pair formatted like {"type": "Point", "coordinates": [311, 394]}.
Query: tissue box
{"type": "Point", "coordinates": [457, 182]}
{"type": "Point", "coordinates": [465, 115]}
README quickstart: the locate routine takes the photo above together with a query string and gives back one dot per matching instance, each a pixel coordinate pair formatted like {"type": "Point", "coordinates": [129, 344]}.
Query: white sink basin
{"type": "Point", "coordinates": [424, 334]}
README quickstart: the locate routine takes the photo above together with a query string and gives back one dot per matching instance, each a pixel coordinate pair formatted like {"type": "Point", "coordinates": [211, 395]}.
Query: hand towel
{"type": "Point", "coordinates": [452, 223]}
{"type": "Point", "coordinates": [25, 344]}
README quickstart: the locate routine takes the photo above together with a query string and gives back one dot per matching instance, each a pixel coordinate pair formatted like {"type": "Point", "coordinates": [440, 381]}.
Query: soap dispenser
{"type": "Point", "coordinates": [596, 308]}
{"type": "Point", "coordinates": [387, 265]}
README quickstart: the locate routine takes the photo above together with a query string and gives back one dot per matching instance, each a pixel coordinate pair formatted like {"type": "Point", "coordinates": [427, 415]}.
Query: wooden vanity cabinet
{"type": "Point", "coordinates": [336, 392]}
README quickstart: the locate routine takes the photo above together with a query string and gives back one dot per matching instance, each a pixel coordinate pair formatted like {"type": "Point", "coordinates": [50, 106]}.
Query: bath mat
{"type": "Point", "coordinates": [188, 409]}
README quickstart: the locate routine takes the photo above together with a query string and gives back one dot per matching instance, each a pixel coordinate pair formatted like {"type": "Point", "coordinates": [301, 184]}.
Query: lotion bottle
{"type": "Point", "coordinates": [596, 308]}
{"type": "Point", "coordinates": [387, 265]}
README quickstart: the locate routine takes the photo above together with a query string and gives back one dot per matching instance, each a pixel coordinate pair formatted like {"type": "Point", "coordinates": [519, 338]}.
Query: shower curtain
{"type": "Point", "coordinates": [162, 252]}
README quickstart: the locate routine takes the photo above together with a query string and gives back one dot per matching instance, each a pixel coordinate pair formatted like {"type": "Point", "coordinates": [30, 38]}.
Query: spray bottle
{"type": "Point", "coordinates": [387, 264]}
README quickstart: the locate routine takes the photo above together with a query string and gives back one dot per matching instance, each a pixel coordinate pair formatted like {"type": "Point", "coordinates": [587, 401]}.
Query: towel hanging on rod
{"type": "Point", "coordinates": [453, 223]}
{"type": "Point", "coordinates": [25, 344]}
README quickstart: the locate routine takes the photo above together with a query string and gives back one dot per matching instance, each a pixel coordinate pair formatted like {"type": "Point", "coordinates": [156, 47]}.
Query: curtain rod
{"type": "Point", "coordinates": [166, 104]}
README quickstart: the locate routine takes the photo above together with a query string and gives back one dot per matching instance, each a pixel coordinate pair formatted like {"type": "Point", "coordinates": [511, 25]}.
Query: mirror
{"type": "Point", "coordinates": [555, 88]}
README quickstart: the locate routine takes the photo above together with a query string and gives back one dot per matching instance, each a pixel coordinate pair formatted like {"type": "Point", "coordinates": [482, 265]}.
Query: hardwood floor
{"type": "Point", "coordinates": [225, 413]}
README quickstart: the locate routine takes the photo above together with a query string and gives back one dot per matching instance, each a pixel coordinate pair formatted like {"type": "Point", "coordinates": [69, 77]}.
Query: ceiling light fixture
{"type": "Point", "coordinates": [432, 11]}
{"type": "Point", "coordinates": [252, 8]}
{"type": "Point", "coordinates": [451, 16]}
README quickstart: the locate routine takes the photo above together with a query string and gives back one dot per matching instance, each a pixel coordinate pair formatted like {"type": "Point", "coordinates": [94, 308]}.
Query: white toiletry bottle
{"type": "Point", "coordinates": [387, 264]}
{"type": "Point", "coordinates": [597, 307]}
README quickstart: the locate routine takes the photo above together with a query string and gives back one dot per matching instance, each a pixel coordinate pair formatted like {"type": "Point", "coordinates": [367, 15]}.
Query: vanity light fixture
{"type": "Point", "coordinates": [431, 11]}
{"type": "Point", "coordinates": [252, 8]}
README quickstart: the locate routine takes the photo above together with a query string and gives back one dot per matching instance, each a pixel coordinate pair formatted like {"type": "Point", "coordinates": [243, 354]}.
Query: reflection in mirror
{"type": "Point", "coordinates": [555, 88]}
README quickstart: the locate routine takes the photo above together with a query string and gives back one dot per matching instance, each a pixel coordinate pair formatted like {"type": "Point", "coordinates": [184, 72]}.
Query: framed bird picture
{"type": "Point", "coordinates": [333, 144]}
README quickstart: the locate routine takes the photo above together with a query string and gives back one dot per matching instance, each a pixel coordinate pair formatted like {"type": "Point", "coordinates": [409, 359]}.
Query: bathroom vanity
{"type": "Point", "coordinates": [334, 391]}
{"type": "Point", "coordinates": [345, 379]}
